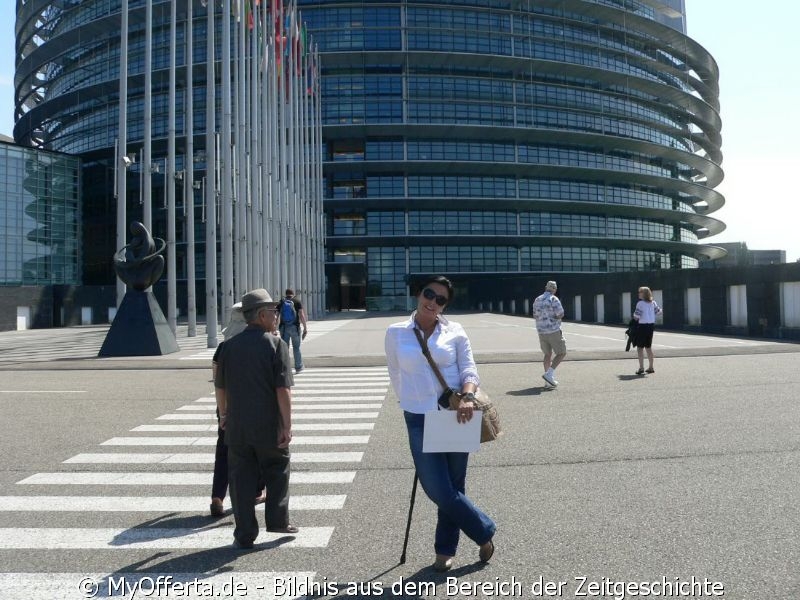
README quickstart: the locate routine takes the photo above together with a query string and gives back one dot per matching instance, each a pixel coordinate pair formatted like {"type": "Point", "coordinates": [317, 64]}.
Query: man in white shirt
{"type": "Point", "coordinates": [548, 312]}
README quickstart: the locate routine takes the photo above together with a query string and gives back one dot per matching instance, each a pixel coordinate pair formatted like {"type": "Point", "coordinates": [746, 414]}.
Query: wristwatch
{"type": "Point", "coordinates": [469, 397]}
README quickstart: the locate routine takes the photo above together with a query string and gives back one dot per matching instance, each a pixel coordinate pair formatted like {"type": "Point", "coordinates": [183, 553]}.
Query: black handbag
{"type": "Point", "coordinates": [450, 398]}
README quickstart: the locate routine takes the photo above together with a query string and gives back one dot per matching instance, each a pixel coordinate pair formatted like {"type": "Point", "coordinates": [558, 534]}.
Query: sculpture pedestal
{"type": "Point", "coordinates": [139, 329]}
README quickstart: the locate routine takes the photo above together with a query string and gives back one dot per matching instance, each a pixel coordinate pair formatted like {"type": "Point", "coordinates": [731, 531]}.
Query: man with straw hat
{"type": "Point", "coordinates": [253, 391]}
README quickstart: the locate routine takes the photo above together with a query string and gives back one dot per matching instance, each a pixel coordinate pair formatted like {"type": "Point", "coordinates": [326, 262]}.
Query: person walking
{"type": "Point", "coordinates": [548, 312]}
{"type": "Point", "coordinates": [645, 316]}
{"type": "Point", "coordinates": [292, 316]}
{"type": "Point", "coordinates": [442, 475]}
{"type": "Point", "coordinates": [253, 393]}
{"type": "Point", "coordinates": [219, 483]}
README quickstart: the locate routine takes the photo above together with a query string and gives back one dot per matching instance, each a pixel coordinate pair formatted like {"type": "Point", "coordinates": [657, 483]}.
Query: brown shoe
{"type": "Point", "coordinates": [216, 508]}
{"type": "Point", "coordinates": [442, 563]}
{"type": "Point", "coordinates": [287, 529]}
{"type": "Point", "coordinates": [486, 552]}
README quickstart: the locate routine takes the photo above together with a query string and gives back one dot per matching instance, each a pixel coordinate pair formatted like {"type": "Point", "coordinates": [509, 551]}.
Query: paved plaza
{"type": "Point", "coordinates": [610, 479]}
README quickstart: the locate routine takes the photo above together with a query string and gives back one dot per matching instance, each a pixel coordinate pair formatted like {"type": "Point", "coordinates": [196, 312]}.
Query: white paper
{"type": "Point", "coordinates": [443, 432]}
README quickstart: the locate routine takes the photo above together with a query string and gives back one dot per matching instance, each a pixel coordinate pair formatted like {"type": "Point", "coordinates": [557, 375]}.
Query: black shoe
{"type": "Point", "coordinates": [640, 372]}
{"type": "Point", "coordinates": [240, 545]}
{"type": "Point", "coordinates": [650, 370]}
{"type": "Point", "coordinates": [216, 508]}
{"type": "Point", "coordinates": [287, 529]}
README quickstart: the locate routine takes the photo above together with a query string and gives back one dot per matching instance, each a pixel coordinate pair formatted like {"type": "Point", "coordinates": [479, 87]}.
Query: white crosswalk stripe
{"type": "Point", "coordinates": [148, 538]}
{"type": "Point", "coordinates": [212, 441]}
{"type": "Point", "coordinates": [170, 478]}
{"type": "Point", "coordinates": [297, 417]}
{"type": "Point", "coordinates": [332, 408]}
{"type": "Point", "coordinates": [332, 415]}
{"type": "Point", "coordinates": [295, 427]}
{"type": "Point", "coordinates": [194, 504]}
{"type": "Point", "coordinates": [185, 458]}
{"type": "Point", "coordinates": [303, 399]}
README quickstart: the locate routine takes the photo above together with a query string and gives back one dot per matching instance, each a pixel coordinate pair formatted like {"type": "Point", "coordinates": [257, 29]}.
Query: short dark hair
{"type": "Point", "coordinates": [288, 292]}
{"type": "Point", "coordinates": [441, 280]}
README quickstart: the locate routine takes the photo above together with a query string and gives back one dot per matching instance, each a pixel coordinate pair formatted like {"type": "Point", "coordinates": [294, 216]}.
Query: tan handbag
{"type": "Point", "coordinates": [490, 420]}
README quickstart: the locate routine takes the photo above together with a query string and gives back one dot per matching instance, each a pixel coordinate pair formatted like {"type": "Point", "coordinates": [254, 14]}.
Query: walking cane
{"type": "Point", "coordinates": [408, 525]}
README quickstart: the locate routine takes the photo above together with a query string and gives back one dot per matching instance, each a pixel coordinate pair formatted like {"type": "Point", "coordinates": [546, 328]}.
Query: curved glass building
{"type": "Point", "coordinates": [480, 138]}
{"type": "Point", "coordinates": [67, 100]}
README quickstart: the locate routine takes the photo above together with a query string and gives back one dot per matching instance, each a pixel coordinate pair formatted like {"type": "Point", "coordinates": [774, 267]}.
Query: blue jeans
{"type": "Point", "coordinates": [442, 476]}
{"type": "Point", "coordinates": [292, 333]}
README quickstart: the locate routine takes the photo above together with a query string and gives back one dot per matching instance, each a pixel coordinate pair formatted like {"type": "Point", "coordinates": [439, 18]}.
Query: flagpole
{"type": "Point", "coordinates": [266, 115]}
{"type": "Point", "coordinates": [235, 166]}
{"type": "Point", "coordinates": [256, 117]}
{"type": "Point", "coordinates": [292, 200]}
{"type": "Point", "coordinates": [320, 214]}
{"type": "Point", "coordinates": [121, 166]}
{"type": "Point", "coordinates": [307, 196]}
{"type": "Point", "coordinates": [210, 187]}
{"type": "Point", "coordinates": [283, 226]}
{"type": "Point", "coordinates": [240, 137]}
{"type": "Point", "coordinates": [147, 159]}
{"type": "Point", "coordinates": [274, 145]}
{"type": "Point", "coordinates": [227, 174]}
{"type": "Point", "coordinates": [172, 309]}
{"type": "Point", "coordinates": [304, 198]}
{"type": "Point", "coordinates": [188, 180]}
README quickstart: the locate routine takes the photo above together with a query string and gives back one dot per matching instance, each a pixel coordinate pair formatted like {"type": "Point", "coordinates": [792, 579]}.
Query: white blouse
{"type": "Point", "coordinates": [412, 377]}
{"type": "Point", "coordinates": [646, 312]}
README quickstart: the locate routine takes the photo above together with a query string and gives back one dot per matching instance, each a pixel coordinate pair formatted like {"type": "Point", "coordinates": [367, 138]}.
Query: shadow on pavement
{"type": "Point", "coordinates": [629, 377]}
{"type": "Point", "coordinates": [202, 564]}
{"type": "Point", "coordinates": [531, 391]}
{"type": "Point", "coordinates": [171, 526]}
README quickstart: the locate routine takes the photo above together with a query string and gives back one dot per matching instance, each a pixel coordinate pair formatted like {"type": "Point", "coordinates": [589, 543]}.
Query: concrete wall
{"type": "Point", "coordinates": [769, 304]}
{"type": "Point", "coordinates": [38, 298]}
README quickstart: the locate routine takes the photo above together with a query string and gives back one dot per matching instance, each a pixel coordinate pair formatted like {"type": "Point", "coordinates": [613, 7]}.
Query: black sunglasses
{"type": "Point", "coordinates": [429, 294]}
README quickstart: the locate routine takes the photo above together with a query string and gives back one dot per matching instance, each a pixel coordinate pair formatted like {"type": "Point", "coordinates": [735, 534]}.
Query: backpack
{"type": "Point", "coordinates": [288, 312]}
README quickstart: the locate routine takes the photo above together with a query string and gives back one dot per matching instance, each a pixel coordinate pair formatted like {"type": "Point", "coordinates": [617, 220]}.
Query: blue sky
{"type": "Point", "coordinates": [760, 97]}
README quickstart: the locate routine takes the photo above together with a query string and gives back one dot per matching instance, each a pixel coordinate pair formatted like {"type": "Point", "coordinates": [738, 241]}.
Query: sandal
{"type": "Point", "coordinates": [650, 370]}
{"type": "Point", "coordinates": [640, 372]}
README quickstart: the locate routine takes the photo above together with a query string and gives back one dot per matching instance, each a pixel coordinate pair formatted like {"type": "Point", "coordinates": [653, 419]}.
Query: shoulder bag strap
{"type": "Point", "coordinates": [431, 362]}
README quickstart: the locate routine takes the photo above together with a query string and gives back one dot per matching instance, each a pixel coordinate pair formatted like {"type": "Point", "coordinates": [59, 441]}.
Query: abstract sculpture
{"type": "Point", "coordinates": [139, 328]}
{"type": "Point", "coordinates": [139, 264]}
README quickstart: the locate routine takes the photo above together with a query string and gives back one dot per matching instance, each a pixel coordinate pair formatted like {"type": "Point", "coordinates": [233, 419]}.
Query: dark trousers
{"type": "Point", "coordinates": [247, 467]}
{"type": "Point", "coordinates": [219, 485]}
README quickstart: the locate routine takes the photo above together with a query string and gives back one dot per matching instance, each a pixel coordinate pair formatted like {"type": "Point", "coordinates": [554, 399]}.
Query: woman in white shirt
{"type": "Point", "coordinates": [645, 317]}
{"type": "Point", "coordinates": [442, 475]}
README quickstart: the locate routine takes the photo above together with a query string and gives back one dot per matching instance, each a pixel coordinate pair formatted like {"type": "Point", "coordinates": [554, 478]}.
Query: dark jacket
{"type": "Point", "coordinates": [252, 365]}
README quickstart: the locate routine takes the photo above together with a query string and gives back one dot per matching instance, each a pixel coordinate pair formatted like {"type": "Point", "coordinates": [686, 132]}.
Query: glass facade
{"type": "Point", "coordinates": [68, 69]}
{"type": "Point", "coordinates": [534, 137]}
{"type": "Point", "coordinates": [40, 222]}
{"type": "Point", "coordinates": [476, 137]}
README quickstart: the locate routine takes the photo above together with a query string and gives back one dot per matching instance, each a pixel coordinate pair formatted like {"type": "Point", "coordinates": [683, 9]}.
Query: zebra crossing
{"type": "Point", "coordinates": [148, 471]}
